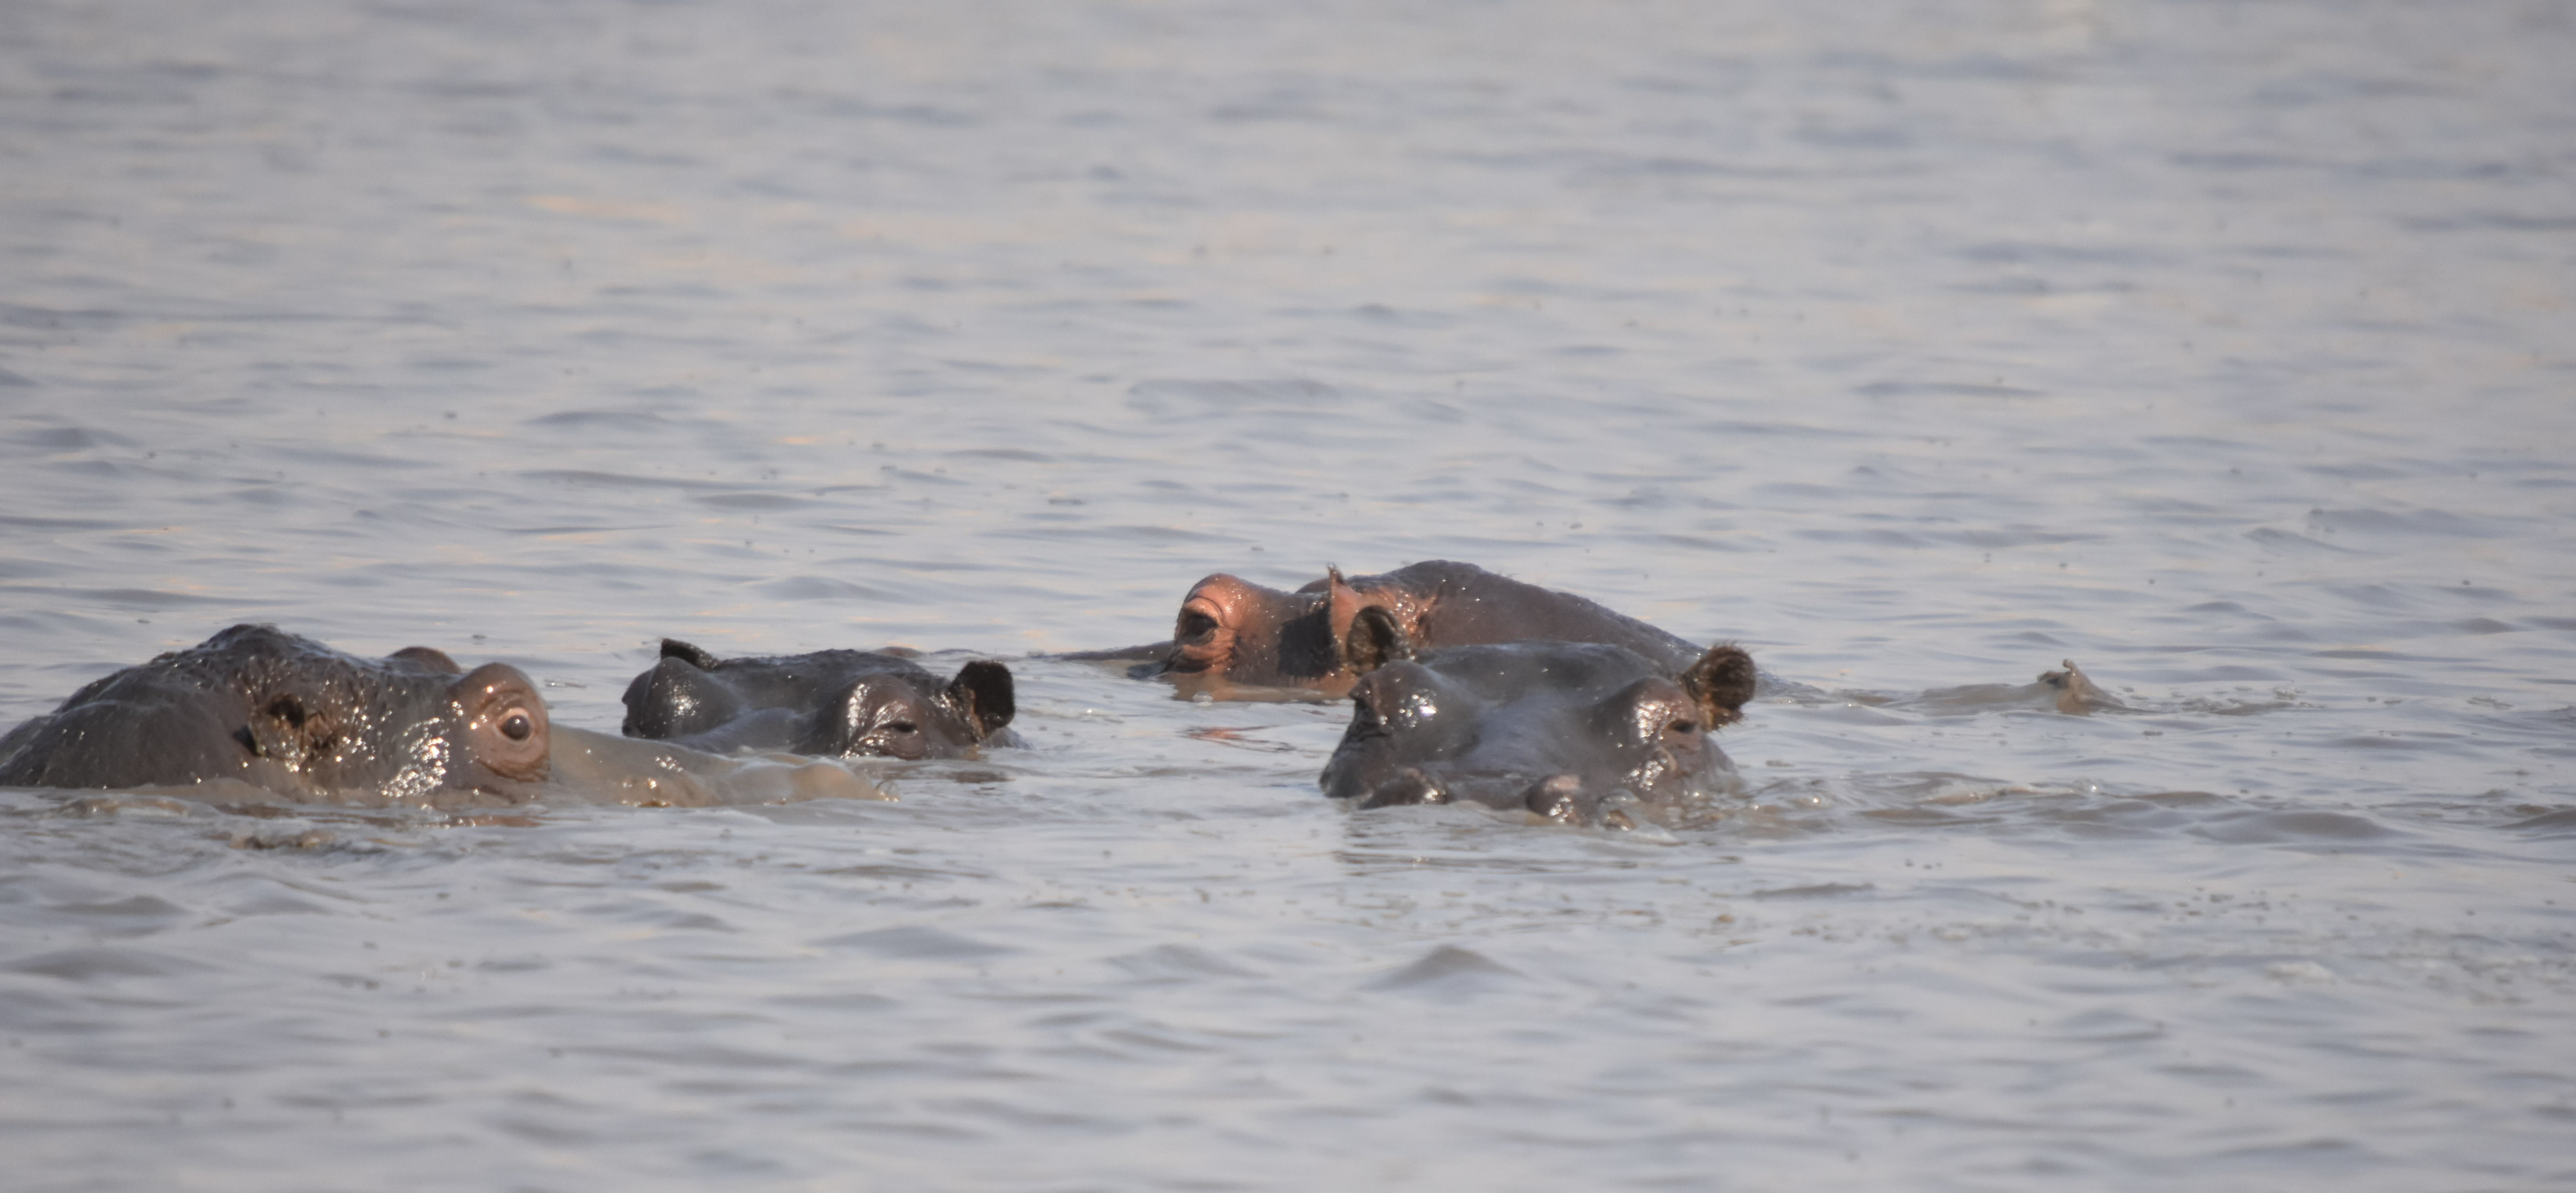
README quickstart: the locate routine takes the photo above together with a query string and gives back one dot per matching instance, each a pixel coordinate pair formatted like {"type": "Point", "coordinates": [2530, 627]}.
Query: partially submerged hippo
{"type": "Point", "coordinates": [837, 703]}
{"type": "Point", "coordinates": [261, 706]}
{"type": "Point", "coordinates": [1565, 730]}
{"type": "Point", "coordinates": [2068, 690]}
{"type": "Point", "coordinates": [1233, 633]}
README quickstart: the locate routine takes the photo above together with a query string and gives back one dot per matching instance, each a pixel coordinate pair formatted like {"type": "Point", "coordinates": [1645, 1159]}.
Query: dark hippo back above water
{"type": "Point", "coordinates": [261, 706]}
{"type": "Point", "coordinates": [1559, 729]}
{"type": "Point", "coordinates": [834, 703]}
{"type": "Point", "coordinates": [1234, 632]}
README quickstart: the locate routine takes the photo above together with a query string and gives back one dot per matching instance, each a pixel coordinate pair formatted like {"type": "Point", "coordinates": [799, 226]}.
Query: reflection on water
{"type": "Point", "coordinates": [1916, 348]}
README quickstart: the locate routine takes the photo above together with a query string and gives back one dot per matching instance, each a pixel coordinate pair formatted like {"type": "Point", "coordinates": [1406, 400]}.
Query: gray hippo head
{"type": "Point", "coordinates": [288, 714]}
{"type": "Point", "coordinates": [837, 703]}
{"type": "Point", "coordinates": [1553, 728]}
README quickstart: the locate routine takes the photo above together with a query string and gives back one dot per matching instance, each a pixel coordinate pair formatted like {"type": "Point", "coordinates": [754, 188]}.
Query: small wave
{"type": "Point", "coordinates": [2269, 828]}
{"type": "Point", "coordinates": [1449, 970]}
{"type": "Point", "coordinates": [102, 962]}
{"type": "Point", "coordinates": [1821, 890]}
{"type": "Point", "coordinates": [2560, 821]}
{"type": "Point", "coordinates": [914, 943]}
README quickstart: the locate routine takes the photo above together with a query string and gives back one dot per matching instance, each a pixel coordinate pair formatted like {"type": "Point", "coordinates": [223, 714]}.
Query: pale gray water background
{"type": "Point", "coordinates": [2226, 349]}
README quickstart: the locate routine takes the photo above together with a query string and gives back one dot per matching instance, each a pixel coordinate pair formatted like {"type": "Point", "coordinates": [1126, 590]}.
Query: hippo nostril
{"type": "Point", "coordinates": [1558, 798]}
{"type": "Point", "coordinates": [517, 726]}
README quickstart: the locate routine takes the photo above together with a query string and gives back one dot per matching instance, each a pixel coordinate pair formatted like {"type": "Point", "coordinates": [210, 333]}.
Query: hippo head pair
{"type": "Point", "coordinates": [1233, 632]}
{"type": "Point", "coordinates": [837, 703]}
{"type": "Point", "coordinates": [290, 715]}
{"type": "Point", "coordinates": [1568, 731]}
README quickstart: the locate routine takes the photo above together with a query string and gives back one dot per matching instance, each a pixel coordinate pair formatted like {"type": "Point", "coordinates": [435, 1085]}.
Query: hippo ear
{"type": "Point", "coordinates": [1375, 639]}
{"type": "Point", "coordinates": [1342, 603]}
{"type": "Point", "coordinates": [2076, 691]}
{"type": "Point", "coordinates": [427, 659]}
{"type": "Point", "coordinates": [673, 648]}
{"type": "Point", "coordinates": [1721, 681]}
{"type": "Point", "coordinates": [982, 694]}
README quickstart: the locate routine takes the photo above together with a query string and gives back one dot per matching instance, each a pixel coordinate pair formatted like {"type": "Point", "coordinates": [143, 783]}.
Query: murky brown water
{"type": "Point", "coordinates": [2225, 349]}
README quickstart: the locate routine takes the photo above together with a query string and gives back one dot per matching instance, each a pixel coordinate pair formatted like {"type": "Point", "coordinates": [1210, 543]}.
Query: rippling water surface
{"type": "Point", "coordinates": [2225, 349]}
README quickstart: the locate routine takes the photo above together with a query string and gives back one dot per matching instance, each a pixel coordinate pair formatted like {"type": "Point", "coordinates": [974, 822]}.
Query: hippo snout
{"type": "Point", "coordinates": [1409, 786]}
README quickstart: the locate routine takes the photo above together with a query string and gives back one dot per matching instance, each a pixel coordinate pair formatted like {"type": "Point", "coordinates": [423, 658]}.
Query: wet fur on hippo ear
{"type": "Point", "coordinates": [1374, 638]}
{"type": "Point", "coordinates": [673, 648]}
{"type": "Point", "coordinates": [1721, 682]}
{"type": "Point", "coordinates": [982, 694]}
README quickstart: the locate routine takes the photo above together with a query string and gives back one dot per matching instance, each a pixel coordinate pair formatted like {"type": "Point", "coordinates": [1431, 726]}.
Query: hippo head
{"type": "Point", "coordinates": [1558, 729]}
{"type": "Point", "coordinates": [895, 716]}
{"type": "Point", "coordinates": [410, 725]}
{"type": "Point", "coordinates": [842, 703]}
{"type": "Point", "coordinates": [258, 705]}
{"type": "Point", "coordinates": [1238, 632]}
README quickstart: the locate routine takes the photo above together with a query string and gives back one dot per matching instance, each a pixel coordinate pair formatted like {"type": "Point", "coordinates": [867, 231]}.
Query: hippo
{"type": "Point", "coordinates": [1234, 634]}
{"type": "Point", "coordinates": [837, 703]}
{"type": "Point", "coordinates": [263, 707]}
{"type": "Point", "coordinates": [1571, 732]}
{"type": "Point", "coordinates": [2068, 690]}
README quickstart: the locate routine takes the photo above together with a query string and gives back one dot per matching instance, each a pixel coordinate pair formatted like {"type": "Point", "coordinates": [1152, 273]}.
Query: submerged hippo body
{"type": "Point", "coordinates": [1235, 633]}
{"type": "Point", "coordinates": [835, 703]}
{"type": "Point", "coordinates": [257, 705]}
{"type": "Point", "coordinates": [1564, 730]}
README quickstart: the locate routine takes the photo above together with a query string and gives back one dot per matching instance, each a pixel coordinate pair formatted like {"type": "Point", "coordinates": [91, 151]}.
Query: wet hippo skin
{"type": "Point", "coordinates": [1234, 633]}
{"type": "Point", "coordinates": [1563, 730]}
{"type": "Point", "coordinates": [261, 706]}
{"type": "Point", "coordinates": [836, 703]}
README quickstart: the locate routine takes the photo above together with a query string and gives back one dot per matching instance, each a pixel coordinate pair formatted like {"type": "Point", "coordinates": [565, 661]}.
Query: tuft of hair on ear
{"type": "Point", "coordinates": [1722, 682]}
{"type": "Point", "coordinates": [673, 648]}
{"type": "Point", "coordinates": [1375, 639]}
{"type": "Point", "coordinates": [982, 693]}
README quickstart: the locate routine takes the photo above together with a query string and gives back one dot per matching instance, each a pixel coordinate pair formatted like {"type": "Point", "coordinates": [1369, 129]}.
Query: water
{"type": "Point", "coordinates": [2223, 349]}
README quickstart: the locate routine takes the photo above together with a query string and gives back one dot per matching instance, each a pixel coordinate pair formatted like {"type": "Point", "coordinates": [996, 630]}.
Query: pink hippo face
{"type": "Point", "coordinates": [1232, 633]}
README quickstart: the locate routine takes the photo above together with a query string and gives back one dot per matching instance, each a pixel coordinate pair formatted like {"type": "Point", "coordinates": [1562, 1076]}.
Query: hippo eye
{"type": "Point", "coordinates": [517, 726]}
{"type": "Point", "coordinates": [1196, 625]}
{"type": "Point", "coordinates": [902, 727]}
{"type": "Point", "coordinates": [1685, 727]}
